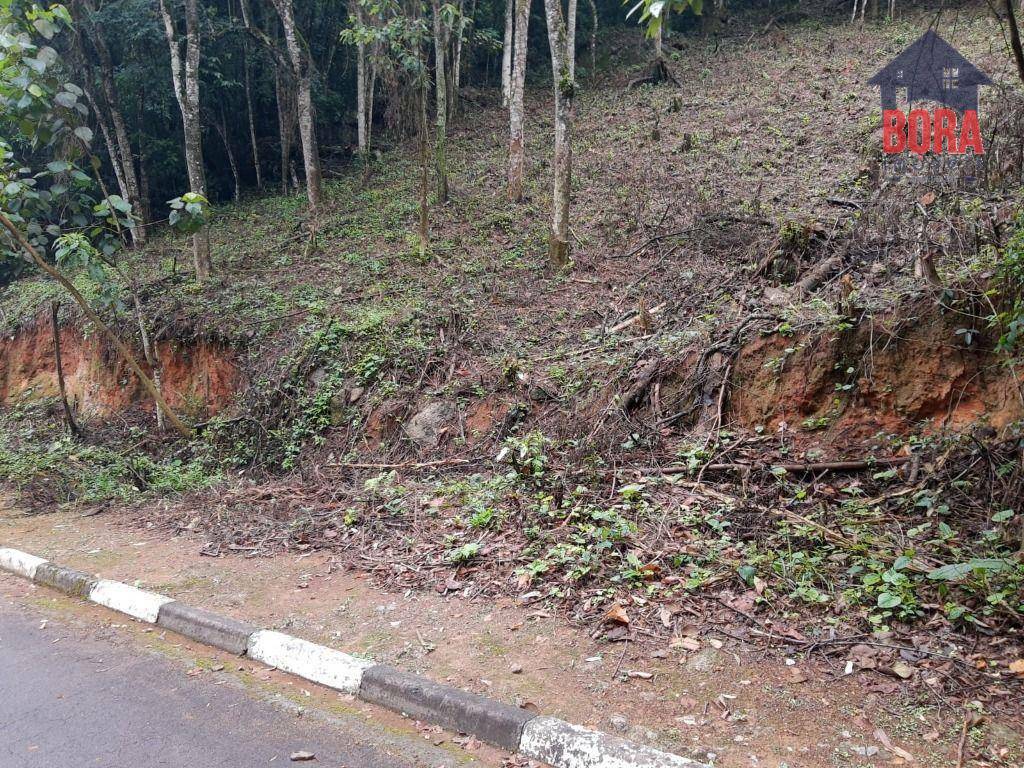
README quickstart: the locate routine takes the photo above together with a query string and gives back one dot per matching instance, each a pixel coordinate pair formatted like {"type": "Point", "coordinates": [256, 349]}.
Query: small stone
{"type": "Point", "coordinates": [619, 723]}
{"type": "Point", "coordinates": [704, 661]}
{"type": "Point", "coordinates": [776, 296]}
{"type": "Point", "coordinates": [903, 670]}
{"type": "Point", "coordinates": [302, 756]}
{"type": "Point", "coordinates": [428, 425]}
{"type": "Point", "coordinates": [516, 669]}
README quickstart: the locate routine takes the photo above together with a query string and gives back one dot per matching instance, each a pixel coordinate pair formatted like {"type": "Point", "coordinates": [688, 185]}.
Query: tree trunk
{"type": "Point", "coordinates": [366, 76]}
{"type": "Point", "coordinates": [441, 99]}
{"type": "Point", "coordinates": [144, 184]}
{"type": "Point", "coordinates": [119, 345]}
{"type": "Point", "coordinates": [506, 53]}
{"type": "Point", "coordinates": [302, 70]}
{"type": "Point", "coordinates": [145, 212]}
{"type": "Point", "coordinates": [361, 91]}
{"type": "Point", "coordinates": [593, 39]}
{"type": "Point", "coordinates": [69, 417]}
{"type": "Point", "coordinates": [285, 124]}
{"type": "Point", "coordinates": [128, 180]}
{"type": "Point", "coordinates": [424, 210]}
{"type": "Point", "coordinates": [1015, 44]}
{"type": "Point", "coordinates": [561, 67]}
{"type": "Point", "coordinates": [456, 78]}
{"type": "Point", "coordinates": [517, 139]}
{"type": "Point", "coordinates": [222, 129]}
{"type": "Point", "coordinates": [109, 142]}
{"type": "Point", "coordinates": [185, 79]}
{"type": "Point", "coordinates": [570, 39]}
{"type": "Point", "coordinates": [251, 116]}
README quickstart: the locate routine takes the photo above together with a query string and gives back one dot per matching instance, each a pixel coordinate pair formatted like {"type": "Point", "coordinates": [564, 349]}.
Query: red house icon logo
{"type": "Point", "coordinates": [931, 70]}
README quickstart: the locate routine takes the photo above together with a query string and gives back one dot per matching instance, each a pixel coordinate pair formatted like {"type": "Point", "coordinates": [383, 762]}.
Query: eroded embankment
{"type": "Point", "coordinates": [198, 376]}
{"type": "Point", "coordinates": [909, 372]}
{"type": "Point", "coordinates": [898, 374]}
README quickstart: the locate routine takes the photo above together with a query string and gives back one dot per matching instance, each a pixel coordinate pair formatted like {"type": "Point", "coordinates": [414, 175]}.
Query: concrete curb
{"type": "Point", "coordinates": [415, 696]}
{"type": "Point", "coordinates": [205, 627]}
{"type": "Point", "coordinates": [547, 739]}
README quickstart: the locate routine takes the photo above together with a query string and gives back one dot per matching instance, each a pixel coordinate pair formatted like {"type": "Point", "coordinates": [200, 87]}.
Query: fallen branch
{"type": "Point", "coordinates": [796, 467]}
{"type": "Point", "coordinates": [817, 275]}
{"type": "Point", "coordinates": [400, 465]}
{"type": "Point", "coordinates": [635, 318]}
{"type": "Point", "coordinates": [639, 388]}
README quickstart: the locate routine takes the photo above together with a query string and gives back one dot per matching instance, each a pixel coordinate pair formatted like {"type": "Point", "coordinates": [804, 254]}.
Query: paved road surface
{"type": "Point", "coordinates": [72, 699]}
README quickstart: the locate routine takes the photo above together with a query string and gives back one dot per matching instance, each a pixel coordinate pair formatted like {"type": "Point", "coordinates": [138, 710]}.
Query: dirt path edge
{"type": "Point", "coordinates": [550, 740]}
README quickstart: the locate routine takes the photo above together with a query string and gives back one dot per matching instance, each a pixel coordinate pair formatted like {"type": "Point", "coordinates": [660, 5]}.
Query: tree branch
{"type": "Point", "coordinates": [122, 350]}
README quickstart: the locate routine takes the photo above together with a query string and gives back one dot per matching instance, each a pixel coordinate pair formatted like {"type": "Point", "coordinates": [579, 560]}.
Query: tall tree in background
{"type": "Point", "coordinates": [1015, 44]}
{"type": "Point", "coordinates": [367, 49]}
{"type": "Point", "coordinates": [250, 113]}
{"type": "Point", "coordinates": [517, 87]}
{"type": "Point", "coordinates": [442, 31]}
{"type": "Point", "coordinates": [563, 64]}
{"type": "Point", "coordinates": [185, 78]}
{"type": "Point", "coordinates": [107, 110]}
{"type": "Point", "coordinates": [506, 53]}
{"type": "Point", "coordinates": [302, 73]}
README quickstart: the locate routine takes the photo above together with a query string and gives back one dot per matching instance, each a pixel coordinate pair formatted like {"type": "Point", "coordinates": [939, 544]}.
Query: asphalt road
{"type": "Point", "coordinates": [71, 698]}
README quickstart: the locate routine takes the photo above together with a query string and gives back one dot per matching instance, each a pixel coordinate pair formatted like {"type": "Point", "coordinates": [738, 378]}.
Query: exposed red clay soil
{"type": "Point", "coordinates": [98, 382]}
{"type": "Point", "coordinates": [898, 377]}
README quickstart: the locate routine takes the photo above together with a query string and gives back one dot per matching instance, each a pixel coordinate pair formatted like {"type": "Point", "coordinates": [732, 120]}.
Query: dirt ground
{"type": "Point", "coordinates": [709, 698]}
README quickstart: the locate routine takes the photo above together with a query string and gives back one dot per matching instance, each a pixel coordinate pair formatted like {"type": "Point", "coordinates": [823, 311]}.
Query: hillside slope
{"type": "Point", "coordinates": [656, 426]}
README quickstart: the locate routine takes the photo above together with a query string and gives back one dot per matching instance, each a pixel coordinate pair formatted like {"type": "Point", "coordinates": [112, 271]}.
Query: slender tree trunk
{"type": "Point", "coordinates": [302, 69]}
{"type": "Point", "coordinates": [128, 180]}
{"type": "Point", "coordinates": [145, 209]}
{"type": "Point", "coordinates": [506, 52]}
{"type": "Point", "coordinates": [361, 89]}
{"type": "Point", "coordinates": [185, 79]}
{"type": "Point", "coordinates": [252, 120]}
{"type": "Point", "coordinates": [593, 39]}
{"type": "Point", "coordinates": [424, 183]}
{"type": "Point", "coordinates": [109, 142]}
{"type": "Point", "coordinates": [222, 129]}
{"type": "Point", "coordinates": [371, 92]}
{"type": "Point", "coordinates": [69, 417]}
{"type": "Point", "coordinates": [285, 123]}
{"type": "Point", "coordinates": [124, 145]}
{"type": "Point", "coordinates": [362, 85]}
{"type": "Point", "coordinates": [144, 185]}
{"type": "Point", "coordinates": [517, 139]}
{"type": "Point", "coordinates": [561, 66]}
{"type": "Point", "coordinates": [1015, 44]}
{"type": "Point", "coordinates": [570, 39]}
{"type": "Point", "coordinates": [150, 353]}
{"type": "Point", "coordinates": [456, 78]}
{"type": "Point", "coordinates": [119, 345]}
{"type": "Point", "coordinates": [441, 98]}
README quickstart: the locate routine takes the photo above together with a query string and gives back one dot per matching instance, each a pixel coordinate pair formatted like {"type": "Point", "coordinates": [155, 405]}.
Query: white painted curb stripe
{"type": "Point", "coordinates": [546, 739]}
{"type": "Point", "coordinates": [565, 745]}
{"type": "Point", "coordinates": [20, 563]}
{"type": "Point", "coordinates": [313, 662]}
{"type": "Point", "coordinates": [138, 603]}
